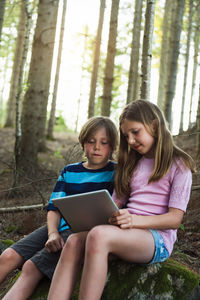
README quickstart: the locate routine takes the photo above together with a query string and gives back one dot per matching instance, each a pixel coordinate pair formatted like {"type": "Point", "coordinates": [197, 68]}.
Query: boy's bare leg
{"type": "Point", "coordinates": [9, 261]}
{"type": "Point", "coordinates": [134, 245]}
{"type": "Point", "coordinates": [66, 272]}
{"type": "Point", "coordinates": [26, 283]}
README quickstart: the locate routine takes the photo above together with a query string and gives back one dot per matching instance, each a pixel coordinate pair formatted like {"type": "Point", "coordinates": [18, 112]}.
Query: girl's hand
{"type": "Point", "coordinates": [122, 218]}
{"type": "Point", "coordinates": [54, 242]}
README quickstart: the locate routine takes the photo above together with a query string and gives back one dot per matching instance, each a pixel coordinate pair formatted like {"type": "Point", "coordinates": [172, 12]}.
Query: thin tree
{"type": "Point", "coordinates": [53, 104]}
{"type": "Point", "coordinates": [147, 49]}
{"type": "Point", "coordinates": [164, 54]}
{"type": "Point", "coordinates": [93, 82]}
{"type": "Point", "coordinates": [18, 131]}
{"type": "Point", "coordinates": [10, 109]}
{"type": "Point", "coordinates": [109, 68]}
{"type": "Point", "coordinates": [2, 9]}
{"type": "Point", "coordinates": [35, 100]}
{"type": "Point", "coordinates": [176, 27]}
{"type": "Point", "coordinates": [187, 55]}
{"type": "Point", "coordinates": [196, 53]}
{"type": "Point", "coordinates": [198, 127]}
{"type": "Point", "coordinates": [132, 90]}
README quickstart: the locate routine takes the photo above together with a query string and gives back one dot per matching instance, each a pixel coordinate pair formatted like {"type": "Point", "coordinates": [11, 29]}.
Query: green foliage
{"type": "Point", "coordinates": [182, 227]}
{"type": "Point", "coordinates": [60, 124]}
{"type": "Point", "coordinates": [10, 228]}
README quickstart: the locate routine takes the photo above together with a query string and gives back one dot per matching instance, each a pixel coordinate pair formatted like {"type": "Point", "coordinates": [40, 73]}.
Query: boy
{"type": "Point", "coordinates": [38, 253]}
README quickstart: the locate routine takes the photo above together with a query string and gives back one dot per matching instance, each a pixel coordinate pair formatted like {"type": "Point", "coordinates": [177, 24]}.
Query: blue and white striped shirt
{"type": "Point", "coordinates": [76, 179]}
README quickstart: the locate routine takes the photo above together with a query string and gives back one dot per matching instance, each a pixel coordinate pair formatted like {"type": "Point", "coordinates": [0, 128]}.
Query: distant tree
{"type": "Point", "coordinates": [175, 32]}
{"type": "Point", "coordinates": [196, 53]}
{"type": "Point", "coordinates": [21, 30]}
{"type": "Point", "coordinates": [93, 82]}
{"type": "Point", "coordinates": [132, 91]}
{"type": "Point", "coordinates": [35, 101]}
{"type": "Point", "coordinates": [109, 68]}
{"type": "Point", "coordinates": [147, 49]}
{"type": "Point", "coordinates": [53, 104]}
{"type": "Point", "coordinates": [187, 55]}
{"type": "Point", "coordinates": [164, 54]}
{"type": "Point", "coordinates": [2, 9]}
{"type": "Point", "coordinates": [198, 127]}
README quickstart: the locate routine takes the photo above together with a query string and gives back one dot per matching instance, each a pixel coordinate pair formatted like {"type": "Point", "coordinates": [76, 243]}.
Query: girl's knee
{"type": "Point", "coordinates": [29, 268]}
{"type": "Point", "coordinates": [74, 243]}
{"type": "Point", "coordinates": [96, 239]}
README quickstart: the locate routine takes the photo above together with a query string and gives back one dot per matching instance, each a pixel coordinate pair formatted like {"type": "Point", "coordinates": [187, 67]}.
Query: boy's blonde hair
{"type": "Point", "coordinates": [166, 151]}
{"type": "Point", "coordinates": [94, 124]}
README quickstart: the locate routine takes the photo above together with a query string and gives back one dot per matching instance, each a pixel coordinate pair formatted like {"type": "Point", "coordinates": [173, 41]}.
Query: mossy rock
{"type": "Point", "coordinates": [166, 281]}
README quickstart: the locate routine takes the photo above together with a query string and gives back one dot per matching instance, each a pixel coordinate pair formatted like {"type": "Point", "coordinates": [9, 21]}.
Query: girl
{"type": "Point", "coordinates": [39, 252]}
{"type": "Point", "coordinates": [153, 180]}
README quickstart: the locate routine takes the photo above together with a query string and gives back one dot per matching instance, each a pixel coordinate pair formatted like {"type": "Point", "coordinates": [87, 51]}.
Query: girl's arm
{"type": "Point", "coordinates": [55, 241]}
{"type": "Point", "coordinates": [170, 220]}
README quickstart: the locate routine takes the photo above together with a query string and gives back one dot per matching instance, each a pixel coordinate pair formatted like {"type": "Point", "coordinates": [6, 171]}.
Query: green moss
{"type": "Point", "coordinates": [10, 228]}
{"type": "Point", "coordinates": [7, 242]}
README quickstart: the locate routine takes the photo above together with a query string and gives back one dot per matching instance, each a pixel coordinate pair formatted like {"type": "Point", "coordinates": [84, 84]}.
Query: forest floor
{"type": "Point", "coordinates": [14, 225]}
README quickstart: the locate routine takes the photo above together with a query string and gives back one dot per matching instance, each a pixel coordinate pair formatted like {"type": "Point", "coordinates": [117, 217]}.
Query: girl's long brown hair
{"type": "Point", "coordinates": [166, 151]}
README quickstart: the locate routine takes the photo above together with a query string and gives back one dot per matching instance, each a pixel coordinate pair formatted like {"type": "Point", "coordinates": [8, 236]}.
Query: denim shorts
{"type": "Point", "coordinates": [161, 253]}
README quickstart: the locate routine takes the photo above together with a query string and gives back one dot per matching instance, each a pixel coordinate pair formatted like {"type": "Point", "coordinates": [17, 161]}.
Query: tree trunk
{"type": "Point", "coordinates": [36, 97]}
{"type": "Point", "coordinates": [176, 27]}
{"type": "Point", "coordinates": [186, 62]}
{"type": "Point", "coordinates": [196, 53]}
{"type": "Point", "coordinates": [147, 49]}
{"type": "Point", "coordinates": [53, 104]}
{"type": "Point", "coordinates": [198, 127]}
{"type": "Point", "coordinates": [19, 94]}
{"type": "Point", "coordinates": [2, 9]}
{"type": "Point", "coordinates": [93, 82]}
{"type": "Point", "coordinates": [109, 69]}
{"type": "Point", "coordinates": [164, 54]}
{"type": "Point", "coordinates": [10, 111]}
{"type": "Point", "coordinates": [132, 91]}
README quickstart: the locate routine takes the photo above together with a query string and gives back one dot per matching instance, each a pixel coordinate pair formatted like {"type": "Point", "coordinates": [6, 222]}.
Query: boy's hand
{"type": "Point", "coordinates": [122, 218]}
{"type": "Point", "coordinates": [54, 242]}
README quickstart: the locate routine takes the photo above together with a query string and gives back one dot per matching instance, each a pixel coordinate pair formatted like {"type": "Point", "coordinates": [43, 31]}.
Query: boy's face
{"type": "Point", "coordinates": [97, 149]}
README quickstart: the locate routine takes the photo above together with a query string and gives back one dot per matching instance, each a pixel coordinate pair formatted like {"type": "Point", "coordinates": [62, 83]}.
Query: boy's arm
{"type": "Point", "coordinates": [55, 241]}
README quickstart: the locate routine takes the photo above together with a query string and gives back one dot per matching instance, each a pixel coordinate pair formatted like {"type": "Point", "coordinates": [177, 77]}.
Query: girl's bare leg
{"type": "Point", "coordinates": [133, 245]}
{"type": "Point", "coordinates": [66, 272]}
{"type": "Point", "coordinates": [26, 283]}
{"type": "Point", "coordinates": [9, 261]}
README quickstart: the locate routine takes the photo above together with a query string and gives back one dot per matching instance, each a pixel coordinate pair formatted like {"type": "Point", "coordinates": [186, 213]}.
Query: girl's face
{"type": "Point", "coordinates": [97, 149]}
{"type": "Point", "coordinates": [138, 138]}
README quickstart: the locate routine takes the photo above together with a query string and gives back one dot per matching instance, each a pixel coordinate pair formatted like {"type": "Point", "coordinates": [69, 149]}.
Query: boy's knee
{"type": "Point", "coordinates": [10, 256]}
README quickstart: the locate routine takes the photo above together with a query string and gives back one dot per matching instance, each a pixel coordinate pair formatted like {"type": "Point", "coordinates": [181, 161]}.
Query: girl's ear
{"type": "Point", "coordinates": [155, 125]}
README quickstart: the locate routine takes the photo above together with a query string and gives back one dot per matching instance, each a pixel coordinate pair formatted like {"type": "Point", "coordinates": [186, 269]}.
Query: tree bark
{"type": "Point", "coordinates": [53, 104]}
{"type": "Point", "coordinates": [2, 9]}
{"type": "Point", "coordinates": [109, 69]}
{"type": "Point", "coordinates": [164, 55]}
{"type": "Point", "coordinates": [93, 83]}
{"type": "Point", "coordinates": [186, 62]}
{"type": "Point", "coordinates": [10, 111]}
{"type": "Point", "coordinates": [196, 53]}
{"type": "Point", "coordinates": [36, 97]}
{"type": "Point", "coordinates": [147, 49]}
{"type": "Point", "coordinates": [132, 91]}
{"type": "Point", "coordinates": [198, 127]}
{"type": "Point", "coordinates": [176, 27]}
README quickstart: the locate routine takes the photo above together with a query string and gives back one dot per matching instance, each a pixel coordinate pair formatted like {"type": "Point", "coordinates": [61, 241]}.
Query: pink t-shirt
{"type": "Point", "coordinates": [173, 190]}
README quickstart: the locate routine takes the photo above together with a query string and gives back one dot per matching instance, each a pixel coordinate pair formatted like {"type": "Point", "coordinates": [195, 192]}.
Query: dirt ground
{"type": "Point", "coordinates": [14, 225]}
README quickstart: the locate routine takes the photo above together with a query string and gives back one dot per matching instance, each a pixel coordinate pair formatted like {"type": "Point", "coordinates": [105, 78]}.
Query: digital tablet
{"type": "Point", "coordinates": [86, 210]}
